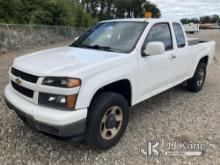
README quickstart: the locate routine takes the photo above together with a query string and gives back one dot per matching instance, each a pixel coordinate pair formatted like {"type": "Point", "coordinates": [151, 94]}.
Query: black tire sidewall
{"type": "Point", "coordinates": [95, 113]}
{"type": "Point", "coordinates": [192, 83]}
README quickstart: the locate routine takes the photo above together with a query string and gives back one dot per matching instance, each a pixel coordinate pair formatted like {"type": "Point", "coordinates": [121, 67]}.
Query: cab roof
{"type": "Point", "coordinates": [154, 20]}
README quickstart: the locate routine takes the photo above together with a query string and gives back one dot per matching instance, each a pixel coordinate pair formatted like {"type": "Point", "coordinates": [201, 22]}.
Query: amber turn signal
{"type": "Point", "coordinates": [71, 101]}
{"type": "Point", "coordinates": [73, 83]}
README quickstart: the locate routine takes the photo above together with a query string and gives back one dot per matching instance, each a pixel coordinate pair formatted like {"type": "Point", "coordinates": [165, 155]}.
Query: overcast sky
{"type": "Point", "coordinates": [188, 8]}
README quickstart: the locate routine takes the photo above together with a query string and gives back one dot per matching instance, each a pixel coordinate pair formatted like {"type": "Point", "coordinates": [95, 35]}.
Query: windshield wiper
{"type": "Point", "coordinates": [98, 47]}
{"type": "Point", "coordinates": [106, 48]}
{"type": "Point", "coordinates": [79, 45]}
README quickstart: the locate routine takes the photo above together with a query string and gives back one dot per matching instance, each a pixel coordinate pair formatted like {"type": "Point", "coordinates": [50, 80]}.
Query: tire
{"type": "Point", "coordinates": [196, 83]}
{"type": "Point", "coordinates": [99, 132]}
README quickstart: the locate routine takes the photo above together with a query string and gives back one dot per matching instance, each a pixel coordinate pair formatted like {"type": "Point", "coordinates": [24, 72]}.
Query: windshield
{"type": "Point", "coordinates": [112, 36]}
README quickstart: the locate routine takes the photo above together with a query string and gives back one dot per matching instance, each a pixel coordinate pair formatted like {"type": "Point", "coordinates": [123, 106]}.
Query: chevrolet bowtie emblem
{"type": "Point", "coordinates": [18, 81]}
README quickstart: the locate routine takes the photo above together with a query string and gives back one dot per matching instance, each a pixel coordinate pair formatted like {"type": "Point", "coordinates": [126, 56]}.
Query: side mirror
{"type": "Point", "coordinates": [76, 38]}
{"type": "Point", "coordinates": [154, 48]}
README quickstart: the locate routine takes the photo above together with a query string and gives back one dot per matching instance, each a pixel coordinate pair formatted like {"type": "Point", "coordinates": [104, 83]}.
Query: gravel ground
{"type": "Point", "coordinates": [175, 115]}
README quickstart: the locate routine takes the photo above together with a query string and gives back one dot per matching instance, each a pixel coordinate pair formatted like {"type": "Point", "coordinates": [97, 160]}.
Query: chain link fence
{"type": "Point", "coordinates": [16, 37]}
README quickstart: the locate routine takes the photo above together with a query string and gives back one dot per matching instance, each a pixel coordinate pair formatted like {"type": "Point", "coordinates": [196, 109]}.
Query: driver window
{"type": "Point", "coordinates": [160, 32]}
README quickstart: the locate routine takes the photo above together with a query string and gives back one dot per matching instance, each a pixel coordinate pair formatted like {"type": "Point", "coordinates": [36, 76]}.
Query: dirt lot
{"type": "Point", "coordinates": [173, 116]}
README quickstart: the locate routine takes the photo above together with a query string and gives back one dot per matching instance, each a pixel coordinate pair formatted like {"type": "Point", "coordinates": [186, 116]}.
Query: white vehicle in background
{"type": "Point", "coordinates": [86, 89]}
{"type": "Point", "coordinates": [191, 28]}
{"type": "Point", "coordinates": [216, 26]}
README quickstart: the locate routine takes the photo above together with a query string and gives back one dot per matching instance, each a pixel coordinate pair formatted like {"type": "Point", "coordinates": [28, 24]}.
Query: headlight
{"type": "Point", "coordinates": [57, 101]}
{"type": "Point", "coordinates": [63, 82]}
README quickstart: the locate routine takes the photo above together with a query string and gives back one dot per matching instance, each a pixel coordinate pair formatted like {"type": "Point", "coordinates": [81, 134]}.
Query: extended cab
{"type": "Point", "coordinates": [86, 89]}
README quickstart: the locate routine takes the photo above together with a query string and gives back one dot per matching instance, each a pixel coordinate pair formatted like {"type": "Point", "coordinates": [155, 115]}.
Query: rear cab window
{"type": "Point", "coordinates": [180, 38]}
{"type": "Point", "coordinates": [160, 32]}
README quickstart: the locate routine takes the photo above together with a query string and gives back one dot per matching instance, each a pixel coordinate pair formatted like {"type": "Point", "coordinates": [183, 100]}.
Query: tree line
{"type": "Point", "coordinates": [79, 13]}
{"type": "Point", "coordinates": [204, 19]}
{"type": "Point", "coordinates": [48, 12]}
{"type": "Point", "coordinates": [108, 9]}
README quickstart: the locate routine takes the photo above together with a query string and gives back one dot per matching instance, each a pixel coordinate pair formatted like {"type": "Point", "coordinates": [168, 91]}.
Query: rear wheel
{"type": "Point", "coordinates": [107, 120]}
{"type": "Point", "coordinates": [196, 83]}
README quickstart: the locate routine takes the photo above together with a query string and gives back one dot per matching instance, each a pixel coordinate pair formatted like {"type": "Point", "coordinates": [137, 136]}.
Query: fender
{"type": "Point", "coordinates": [91, 85]}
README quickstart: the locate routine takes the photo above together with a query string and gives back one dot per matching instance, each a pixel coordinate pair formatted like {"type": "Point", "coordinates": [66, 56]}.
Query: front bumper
{"type": "Point", "coordinates": [51, 121]}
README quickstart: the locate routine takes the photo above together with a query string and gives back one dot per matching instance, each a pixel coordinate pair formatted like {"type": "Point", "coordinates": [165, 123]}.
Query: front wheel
{"type": "Point", "coordinates": [107, 120]}
{"type": "Point", "coordinates": [196, 83]}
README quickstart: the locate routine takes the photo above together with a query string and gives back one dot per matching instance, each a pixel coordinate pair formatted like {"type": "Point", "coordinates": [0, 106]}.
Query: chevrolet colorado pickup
{"type": "Point", "coordinates": [86, 89]}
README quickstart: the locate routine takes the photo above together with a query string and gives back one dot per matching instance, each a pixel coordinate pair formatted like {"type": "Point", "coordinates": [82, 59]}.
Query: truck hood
{"type": "Point", "coordinates": [60, 60]}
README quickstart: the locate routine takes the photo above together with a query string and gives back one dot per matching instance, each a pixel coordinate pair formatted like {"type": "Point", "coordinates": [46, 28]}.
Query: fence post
{"type": "Point", "coordinates": [8, 31]}
{"type": "Point", "coordinates": [72, 32]}
{"type": "Point", "coordinates": [7, 27]}
{"type": "Point", "coordinates": [66, 32]}
{"type": "Point", "coordinates": [31, 29]}
{"type": "Point", "coordinates": [81, 30]}
{"type": "Point", "coordinates": [57, 32]}
{"type": "Point", "coordinates": [46, 29]}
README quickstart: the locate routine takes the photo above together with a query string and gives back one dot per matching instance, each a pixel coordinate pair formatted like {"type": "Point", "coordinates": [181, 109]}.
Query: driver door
{"type": "Point", "coordinates": [157, 71]}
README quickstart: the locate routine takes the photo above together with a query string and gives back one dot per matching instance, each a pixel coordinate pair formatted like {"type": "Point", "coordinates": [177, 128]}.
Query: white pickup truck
{"type": "Point", "coordinates": [85, 90]}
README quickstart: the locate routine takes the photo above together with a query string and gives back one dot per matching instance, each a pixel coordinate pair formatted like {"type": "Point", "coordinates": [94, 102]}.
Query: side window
{"type": "Point", "coordinates": [180, 38]}
{"type": "Point", "coordinates": [160, 32]}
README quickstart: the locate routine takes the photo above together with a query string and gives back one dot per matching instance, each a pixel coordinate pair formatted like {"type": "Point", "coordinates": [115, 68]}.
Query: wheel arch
{"type": "Point", "coordinates": [122, 87]}
{"type": "Point", "coordinates": [204, 59]}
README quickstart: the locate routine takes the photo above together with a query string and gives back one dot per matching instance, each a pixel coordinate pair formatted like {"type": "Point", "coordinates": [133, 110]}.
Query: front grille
{"type": "Point", "coordinates": [24, 76]}
{"type": "Point", "coordinates": [22, 90]}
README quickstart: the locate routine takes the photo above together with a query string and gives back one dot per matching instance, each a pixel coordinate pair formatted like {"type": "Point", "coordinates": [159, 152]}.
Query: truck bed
{"type": "Point", "coordinates": [198, 48]}
{"type": "Point", "coordinates": [195, 41]}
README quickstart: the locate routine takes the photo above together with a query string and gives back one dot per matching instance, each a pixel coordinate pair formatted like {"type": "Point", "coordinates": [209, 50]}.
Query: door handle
{"type": "Point", "coordinates": [172, 57]}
